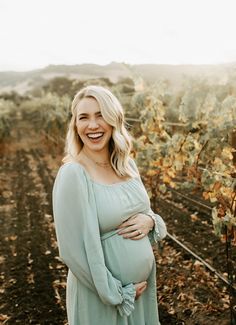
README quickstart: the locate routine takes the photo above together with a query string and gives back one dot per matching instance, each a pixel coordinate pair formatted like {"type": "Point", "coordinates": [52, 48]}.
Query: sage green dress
{"type": "Point", "coordinates": [102, 265]}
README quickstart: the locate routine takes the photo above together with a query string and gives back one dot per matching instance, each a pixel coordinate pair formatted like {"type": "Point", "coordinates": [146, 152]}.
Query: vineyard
{"type": "Point", "coordinates": [185, 147]}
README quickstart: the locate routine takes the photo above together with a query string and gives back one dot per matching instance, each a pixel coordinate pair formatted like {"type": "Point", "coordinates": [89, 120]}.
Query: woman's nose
{"type": "Point", "coordinates": [93, 124]}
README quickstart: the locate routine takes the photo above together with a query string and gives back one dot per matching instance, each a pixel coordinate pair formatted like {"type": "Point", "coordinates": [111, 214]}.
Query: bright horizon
{"type": "Point", "coordinates": [35, 34]}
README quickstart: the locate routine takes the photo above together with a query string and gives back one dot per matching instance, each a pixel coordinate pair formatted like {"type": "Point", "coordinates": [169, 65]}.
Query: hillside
{"type": "Point", "coordinates": [175, 74]}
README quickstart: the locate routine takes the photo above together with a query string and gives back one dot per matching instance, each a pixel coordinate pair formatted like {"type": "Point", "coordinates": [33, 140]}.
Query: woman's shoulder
{"type": "Point", "coordinates": [71, 169]}
{"type": "Point", "coordinates": [71, 177]}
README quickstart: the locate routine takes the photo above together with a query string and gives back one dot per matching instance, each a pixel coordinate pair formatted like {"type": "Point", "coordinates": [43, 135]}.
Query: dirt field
{"type": "Point", "coordinates": [32, 277]}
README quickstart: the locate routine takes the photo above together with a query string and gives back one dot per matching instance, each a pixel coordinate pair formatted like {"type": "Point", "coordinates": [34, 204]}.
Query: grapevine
{"type": "Point", "coordinates": [7, 113]}
{"type": "Point", "coordinates": [201, 154]}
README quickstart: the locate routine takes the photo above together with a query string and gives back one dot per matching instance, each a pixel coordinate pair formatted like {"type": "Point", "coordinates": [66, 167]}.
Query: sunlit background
{"type": "Point", "coordinates": [172, 65]}
{"type": "Point", "coordinates": [34, 34]}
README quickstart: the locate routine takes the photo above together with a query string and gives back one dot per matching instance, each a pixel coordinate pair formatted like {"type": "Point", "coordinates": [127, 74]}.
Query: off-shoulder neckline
{"type": "Point", "coordinates": [98, 183]}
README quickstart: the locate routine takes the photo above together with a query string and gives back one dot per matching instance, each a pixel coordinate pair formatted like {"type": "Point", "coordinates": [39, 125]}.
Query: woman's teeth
{"type": "Point", "coordinates": [95, 135]}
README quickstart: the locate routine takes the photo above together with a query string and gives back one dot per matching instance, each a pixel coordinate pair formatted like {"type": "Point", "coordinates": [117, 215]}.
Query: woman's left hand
{"type": "Point", "coordinates": [136, 227]}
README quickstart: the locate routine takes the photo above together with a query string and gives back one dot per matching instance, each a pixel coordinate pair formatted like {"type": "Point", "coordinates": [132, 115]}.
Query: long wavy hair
{"type": "Point", "coordinates": [120, 144]}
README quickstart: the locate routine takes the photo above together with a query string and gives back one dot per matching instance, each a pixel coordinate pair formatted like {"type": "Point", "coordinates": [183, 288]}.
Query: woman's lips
{"type": "Point", "coordinates": [95, 137]}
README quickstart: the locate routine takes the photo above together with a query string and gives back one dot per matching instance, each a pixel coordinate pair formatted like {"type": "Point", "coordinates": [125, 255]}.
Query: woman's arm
{"type": "Point", "coordinates": [78, 238]}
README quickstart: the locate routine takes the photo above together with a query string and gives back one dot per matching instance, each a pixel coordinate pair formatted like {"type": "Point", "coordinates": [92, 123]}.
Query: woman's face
{"type": "Point", "coordinates": [92, 129]}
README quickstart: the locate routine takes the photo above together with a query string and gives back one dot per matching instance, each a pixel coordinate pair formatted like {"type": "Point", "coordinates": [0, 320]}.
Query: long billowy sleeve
{"type": "Point", "coordinates": [78, 237]}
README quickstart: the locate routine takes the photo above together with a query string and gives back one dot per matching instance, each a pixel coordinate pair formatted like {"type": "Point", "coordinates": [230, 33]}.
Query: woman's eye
{"type": "Point", "coordinates": [82, 117]}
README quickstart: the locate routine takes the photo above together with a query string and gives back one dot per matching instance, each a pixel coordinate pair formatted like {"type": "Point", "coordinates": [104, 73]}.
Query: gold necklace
{"type": "Point", "coordinates": [103, 164]}
{"type": "Point", "coordinates": [100, 164]}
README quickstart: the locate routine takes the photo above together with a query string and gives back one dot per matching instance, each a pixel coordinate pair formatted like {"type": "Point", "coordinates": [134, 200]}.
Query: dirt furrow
{"type": "Point", "coordinates": [58, 269]}
{"type": "Point", "coordinates": [29, 298]}
{"type": "Point", "coordinates": [195, 234]}
{"type": "Point", "coordinates": [8, 236]}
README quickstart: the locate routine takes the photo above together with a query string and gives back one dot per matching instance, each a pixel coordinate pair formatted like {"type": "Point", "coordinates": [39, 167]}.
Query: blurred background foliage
{"type": "Point", "coordinates": [184, 133]}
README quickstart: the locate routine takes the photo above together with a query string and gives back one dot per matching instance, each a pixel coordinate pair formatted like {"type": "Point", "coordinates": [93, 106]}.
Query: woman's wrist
{"type": "Point", "coordinates": [152, 221]}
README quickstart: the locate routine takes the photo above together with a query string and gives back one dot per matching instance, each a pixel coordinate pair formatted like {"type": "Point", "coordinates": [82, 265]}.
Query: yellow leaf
{"type": "Point", "coordinates": [151, 172]}
{"type": "Point", "coordinates": [166, 179]}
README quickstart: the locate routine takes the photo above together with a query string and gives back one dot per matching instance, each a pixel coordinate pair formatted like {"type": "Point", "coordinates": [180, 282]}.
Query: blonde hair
{"type": "Point", "coordinates": [120, 143]}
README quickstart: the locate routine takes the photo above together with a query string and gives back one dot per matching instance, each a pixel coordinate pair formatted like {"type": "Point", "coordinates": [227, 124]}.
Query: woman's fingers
{"type": "Point", "coordinates": [133, 232]}
{"type": "Point", "coordinates": [132, 227]}
{"type": "Point", "coordinates": [134, 235]}
{"type": "Point", "coordinates": [127, 223]}
{"type": "Point", "coordinates": [142, 285]}
{"type": "Point", "coordinates": [140, 288]}
{"type": "Point", "coordinates": [138, 237]}
{"type": "Point", "coordinates": [128, 229]}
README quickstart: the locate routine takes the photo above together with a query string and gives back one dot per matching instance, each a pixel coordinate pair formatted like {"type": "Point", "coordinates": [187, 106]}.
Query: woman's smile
{"type": "Point", "coordinates": [95, 137]}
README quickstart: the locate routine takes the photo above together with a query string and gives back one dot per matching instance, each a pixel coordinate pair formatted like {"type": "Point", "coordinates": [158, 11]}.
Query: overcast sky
{"type": "Point", "coordinates": [35, 33]}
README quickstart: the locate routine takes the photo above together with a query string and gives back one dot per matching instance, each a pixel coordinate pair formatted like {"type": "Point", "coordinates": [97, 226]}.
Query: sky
{"type": "Point", "coordinates": [36, 33]}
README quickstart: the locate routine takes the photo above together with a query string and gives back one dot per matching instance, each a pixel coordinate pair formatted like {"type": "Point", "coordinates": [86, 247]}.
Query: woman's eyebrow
{"type": "Point", "coordinates": [82, 114]}
{"type": "Point", "coordinates": [86, 114]}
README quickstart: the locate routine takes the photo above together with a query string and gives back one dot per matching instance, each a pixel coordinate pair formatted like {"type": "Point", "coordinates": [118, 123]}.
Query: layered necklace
{"type": "Point", "coordinates": [98, 163]}
{"type": "Point", "coordinates": [103, 164]}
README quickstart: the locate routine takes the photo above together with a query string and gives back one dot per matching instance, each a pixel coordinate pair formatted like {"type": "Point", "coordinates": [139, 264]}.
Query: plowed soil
{"type": "Point", "coordinates": [32, 278]}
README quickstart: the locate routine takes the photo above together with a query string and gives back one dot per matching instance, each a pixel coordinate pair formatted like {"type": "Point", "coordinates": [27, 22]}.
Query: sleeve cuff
{"type": "Point", "coordinates": [159, 230]}
{"type": "Point", "coordinates": [127, 306]}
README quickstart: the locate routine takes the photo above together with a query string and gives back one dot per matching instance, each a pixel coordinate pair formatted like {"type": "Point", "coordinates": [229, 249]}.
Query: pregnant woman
{"type": "Point", "coordinates": [103, 220]}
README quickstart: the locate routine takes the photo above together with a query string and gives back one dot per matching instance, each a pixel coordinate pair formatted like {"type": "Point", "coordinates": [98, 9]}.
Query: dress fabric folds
{"type": "Point", "coordinates": [103, 266]}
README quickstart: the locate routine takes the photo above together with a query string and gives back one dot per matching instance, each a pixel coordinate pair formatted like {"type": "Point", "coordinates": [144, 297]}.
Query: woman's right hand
{"type": "Point", "coordinates": [140, 288]}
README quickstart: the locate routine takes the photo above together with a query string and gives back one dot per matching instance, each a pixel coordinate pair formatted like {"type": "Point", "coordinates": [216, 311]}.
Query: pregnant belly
{"type": "Point", "coordinates": [128, 260]}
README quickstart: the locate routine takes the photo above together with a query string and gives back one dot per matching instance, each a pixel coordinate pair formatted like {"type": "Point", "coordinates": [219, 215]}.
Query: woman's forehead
{"type": "Point", "coordinates": [88, 105]}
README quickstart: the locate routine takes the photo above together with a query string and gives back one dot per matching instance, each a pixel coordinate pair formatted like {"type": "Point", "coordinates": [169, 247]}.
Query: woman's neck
{"type": "Point", "coordinates": [97, 157]}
